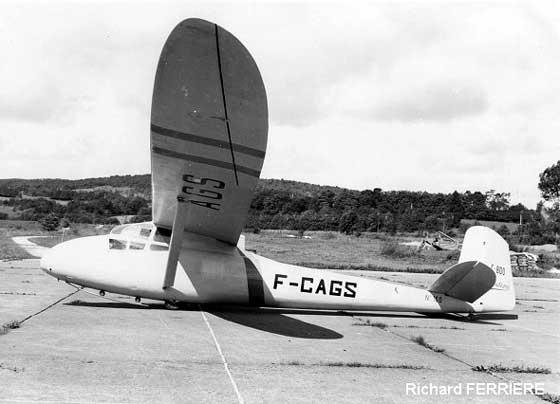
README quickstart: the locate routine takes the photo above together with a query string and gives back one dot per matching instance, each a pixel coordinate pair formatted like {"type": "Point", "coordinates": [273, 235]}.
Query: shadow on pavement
{"type": "Point", "coordinates": [277, 323]}
{"type": "Point", "coordinates": [270, 320]}
{"type": "Point", "coordinates": [477, 318]}
{"type": "Point", "coordinates": [113, 305]}
{"type": "Point", "coordinates": [273, 321]}
{"type": "Point", "coordinates": [277, 320]}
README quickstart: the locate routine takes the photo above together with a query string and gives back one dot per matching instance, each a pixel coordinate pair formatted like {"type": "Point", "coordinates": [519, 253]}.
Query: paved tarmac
{"type": "Point", "coordinates": [74, 347]}
{"type": "Point", "coordinates": [29, 246]}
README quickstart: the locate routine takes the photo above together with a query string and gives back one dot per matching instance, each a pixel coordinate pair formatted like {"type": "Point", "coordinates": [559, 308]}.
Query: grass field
{"type": "Point", "coordinates": [338, 251]}
{"type": "Point", "coordinates": [10, 250]}
{"type": "Point", "coordinates": [371, 251]}
{"type": "Point", "coordinates": [75, 232]}
{"type": "Point", "coordinates": [11, 228]}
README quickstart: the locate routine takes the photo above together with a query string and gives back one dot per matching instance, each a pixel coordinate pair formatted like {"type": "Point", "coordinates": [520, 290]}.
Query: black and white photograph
{"type": "Point", "coordinates": [279, 201]}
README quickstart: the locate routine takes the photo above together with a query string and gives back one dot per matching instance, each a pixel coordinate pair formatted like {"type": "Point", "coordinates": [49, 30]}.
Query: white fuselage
{"type": "Point", "coordinates": [213, 272]}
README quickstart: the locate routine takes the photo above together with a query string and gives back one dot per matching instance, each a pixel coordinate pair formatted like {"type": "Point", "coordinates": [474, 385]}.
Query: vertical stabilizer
{"type": "Point", "coordinates": [483, 275]}
{"type": "Point", "coordinates": [487, 246]}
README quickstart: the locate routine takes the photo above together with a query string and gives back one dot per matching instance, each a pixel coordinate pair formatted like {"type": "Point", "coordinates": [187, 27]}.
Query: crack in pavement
{"type": "Point", "coordinates": [471, 366]}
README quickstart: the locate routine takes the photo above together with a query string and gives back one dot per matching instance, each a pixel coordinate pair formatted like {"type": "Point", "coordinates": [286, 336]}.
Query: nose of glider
{"type": "Point", "coordinates": [59, 261]}
{"type": "Point", "coordinates": [51, 261]}
{"type": "Point", "coordinates": [66, 261]}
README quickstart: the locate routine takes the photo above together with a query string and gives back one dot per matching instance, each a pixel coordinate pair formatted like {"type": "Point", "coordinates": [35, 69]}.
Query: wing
{"type": "Point", "coordinates": [208, 130]}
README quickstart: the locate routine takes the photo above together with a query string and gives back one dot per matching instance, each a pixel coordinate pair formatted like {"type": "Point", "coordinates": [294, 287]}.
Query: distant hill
{"type": "Point", "coordinates": [295, 188]}
{"type": "Point", "coordinates": [57, 188]}
{"type": "Point", "coordinates": [277, 204]}
{"type": "Point", "coordinates": [139, 184]}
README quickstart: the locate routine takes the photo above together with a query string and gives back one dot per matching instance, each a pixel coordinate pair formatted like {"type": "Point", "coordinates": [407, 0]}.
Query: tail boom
{"type": "Point", "coordinates": [298, 287]}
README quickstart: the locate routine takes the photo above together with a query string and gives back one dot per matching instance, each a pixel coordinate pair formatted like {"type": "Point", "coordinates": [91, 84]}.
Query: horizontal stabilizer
{"type": "Point", "coordinates": [465, 281]}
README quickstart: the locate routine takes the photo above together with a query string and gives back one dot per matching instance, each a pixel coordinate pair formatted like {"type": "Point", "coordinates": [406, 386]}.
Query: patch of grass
{"type": "Point", "coordinates": [368, 267]}
{"type": "Point", "coordinates": [393, 249]}
{"type": "Point", "coordinates": [539, 273]}
{"type": "Point", "coordinates": [20, 227]}
{"type": "Point", "coordinates": [355, 365]}
{"type": "Point", "coordinates": [370, 365]}
{"type": "Point", "coordinates": [499, 368]}
{"type": "Point", "coordinates": [344, 252]}
{"type": "Point", "coordinates": [76, 231]}
{"type": "Point", "coordinates": [383, 326]}
{"type": "Point", "coordinates": [18, 293]}
{"type": "Point", "coordinates": [11, 325]}
{"type": "Point", "coordinates": [536, 300]}
{"type": "Point", "coordinates": [549, 260]}
{"type": "Point", "coordinates": [11, 368]}
{"type": "Point", "coordinates": [328, 235]}
{"type": "Point", "coordinates": [46, 241]}
{"type": "Point", "coordinates": [443, 327]}
{"type": "Point", "coordinates": [421, 341]}
{"type": "Point", "coordinates": [369, 323]}
{"type": "Point", "coordinates": [551, 398]}
{"type": "Point", "coordinates": [10, 251]}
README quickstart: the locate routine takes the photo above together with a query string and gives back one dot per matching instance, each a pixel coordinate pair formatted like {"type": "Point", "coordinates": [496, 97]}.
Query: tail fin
{"type": "Point", "coordinates": [482, 276]}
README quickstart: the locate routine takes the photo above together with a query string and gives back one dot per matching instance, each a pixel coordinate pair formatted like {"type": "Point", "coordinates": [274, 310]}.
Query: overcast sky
{"type": "Point", "coordinates": [419, 96]}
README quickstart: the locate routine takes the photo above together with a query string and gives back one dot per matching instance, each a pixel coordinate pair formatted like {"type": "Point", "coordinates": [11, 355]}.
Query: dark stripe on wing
{"type": "Point", "coordinates": [225, 103]}
{"type": "Point", "coordinates": [207, 141]}
{"type": "Point", "coordinates": [255, 283]}
{"type": "Point", "coordinates": [204, 160]}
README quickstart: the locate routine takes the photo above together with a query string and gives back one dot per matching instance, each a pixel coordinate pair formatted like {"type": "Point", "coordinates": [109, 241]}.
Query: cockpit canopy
{"type": "Point", "coordinates": [139, 236]}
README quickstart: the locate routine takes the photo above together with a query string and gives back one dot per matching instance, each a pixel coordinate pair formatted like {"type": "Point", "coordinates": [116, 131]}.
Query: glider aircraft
{"type": "Point", "coordinates": [209, 125]}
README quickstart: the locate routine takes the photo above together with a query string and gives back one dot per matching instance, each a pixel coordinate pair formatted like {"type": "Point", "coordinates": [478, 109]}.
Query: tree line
{"type": "Point", "coordinates": [284, 204]}
{"type": "Point", "coordinates": [98, 207]}
{"type": "Point", "coordinates": [351, 211]}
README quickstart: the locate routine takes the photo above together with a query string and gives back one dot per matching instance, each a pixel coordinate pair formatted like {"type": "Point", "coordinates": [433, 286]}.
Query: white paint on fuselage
{"type": "Point", "coordinates": [212, 272]}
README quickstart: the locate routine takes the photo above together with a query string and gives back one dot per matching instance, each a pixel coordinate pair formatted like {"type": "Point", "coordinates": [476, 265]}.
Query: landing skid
{"type": "Point", "coordinates": [101, 294]}
{"type": "Point", "coordinates": [171, 305]}
{"type": "Point", "coordinates": [468, 317]}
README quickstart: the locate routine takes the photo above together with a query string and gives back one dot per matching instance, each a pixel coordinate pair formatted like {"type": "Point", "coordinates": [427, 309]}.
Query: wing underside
{"type": "Point", "coordinates": [208, 130]}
